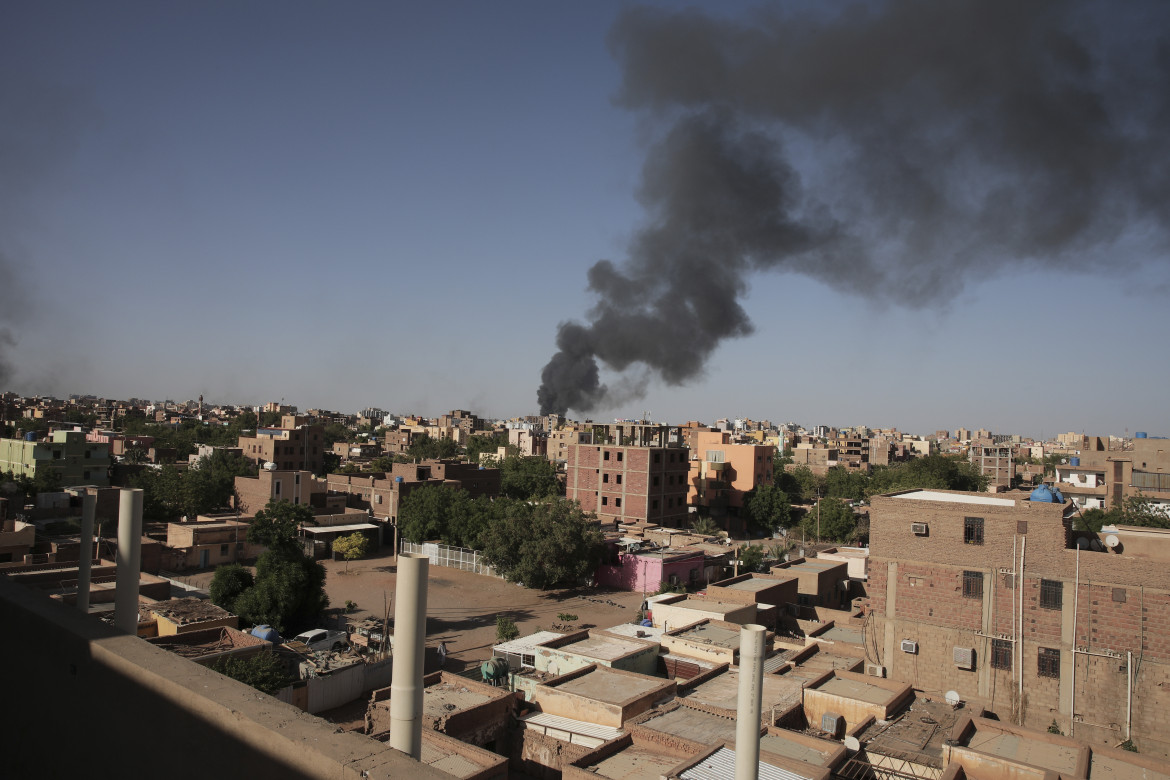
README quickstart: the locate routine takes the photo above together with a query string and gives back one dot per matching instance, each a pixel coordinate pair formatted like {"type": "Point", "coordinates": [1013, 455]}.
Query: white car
{"type": "Point", "coordinates": [323, 639]}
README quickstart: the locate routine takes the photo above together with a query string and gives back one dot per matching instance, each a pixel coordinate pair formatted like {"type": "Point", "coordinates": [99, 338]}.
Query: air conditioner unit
{"type": "Point", "coordinates": [964, 657]}
{"type": "Point", "coordinates": [832, 724]}
{"type": "Point", "coordinates": [919, 529]}
{"type": "Point", "coordinates": [910, 646]}
{"type": "Point", "coordinates": [874, 670]}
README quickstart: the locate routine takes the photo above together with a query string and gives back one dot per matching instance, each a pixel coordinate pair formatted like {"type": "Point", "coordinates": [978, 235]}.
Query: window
{"type": "Point", "coordinates": [1051, 594]}
{"type": "Point", "coordinates": [1001, 654]}
{"type": "Point", "coordinates": [605, 478]}
{"type": "Point", "coordinates": [617, 502]}
{"type": "Point", "coordinates": [658, 457]}
{"type": "Point", "coordinates": [619, 479]}
{"type": "Point", "coordinates": [619, 457]}
{"type": "Point", "coordinates": [656, 482]}
{"type": "Point", "coordinates": [1048, 662]}
{"type": "Point", "coordinates": [972, 584]}
{"type": "Point", "coordinates": [605, 455]}
{"type": "Point", "coordinates": [276, 490]}
{"type": "Point", "coordinates": [654, 504]}
{"type": "Point", "coordinates": [223, 549]}
{"type": "Point", "coordinates": [973, 530]}
{"type": "Point", "coordinates": [605, 500]}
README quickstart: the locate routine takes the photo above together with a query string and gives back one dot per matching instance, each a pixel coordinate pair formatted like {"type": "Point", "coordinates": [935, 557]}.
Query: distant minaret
{"type": "Point", "coordinates": [200, 406]}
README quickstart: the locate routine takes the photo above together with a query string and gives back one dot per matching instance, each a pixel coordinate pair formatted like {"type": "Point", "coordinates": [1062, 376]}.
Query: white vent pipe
{"type": "Point", "coordinates": [748, 706]}
{"type": "Point", "coordinates": [129, 560]}
{"type": "Point", "coordinates": [410, 630]}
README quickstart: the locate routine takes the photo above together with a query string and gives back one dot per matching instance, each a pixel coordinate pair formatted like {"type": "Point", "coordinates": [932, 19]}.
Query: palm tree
{"type": "Point", "coordinates": [705, 526]}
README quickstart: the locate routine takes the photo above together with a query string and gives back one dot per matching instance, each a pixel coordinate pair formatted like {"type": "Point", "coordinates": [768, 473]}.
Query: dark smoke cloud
{"type": "Point", "coordinates": [895, 150]}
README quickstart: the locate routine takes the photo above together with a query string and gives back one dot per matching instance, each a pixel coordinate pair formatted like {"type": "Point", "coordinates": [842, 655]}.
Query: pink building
{"type": "Point", "coordinates": [647, 571]}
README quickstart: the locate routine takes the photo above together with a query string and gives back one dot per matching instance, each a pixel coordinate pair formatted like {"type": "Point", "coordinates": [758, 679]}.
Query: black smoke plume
{"type": "Point", "coordinates": [895, 150]}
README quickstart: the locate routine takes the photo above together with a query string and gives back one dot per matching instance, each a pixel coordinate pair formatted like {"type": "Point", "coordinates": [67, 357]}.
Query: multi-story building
{"type": "Point", "coordinates": [1103, 478]}
{"type": "Point", "coordinates": [723, 473]}
{"type": "Point", "coordinates": [294, 446]}
{"type": "Point", "coordinates": [528, 443]}
{"type": "Point", "coordinates": [997, 598]}
{"type": "Point", "coordinates": [629, 484]}
{"type": "Point", "coordinates": [852, 451]}
{"type": "Point", "coordinates": [66, 453]}
{"type": "Point", "coordinates": [299, 487]}
{"type": "Point", "coordinates": [995, 462]}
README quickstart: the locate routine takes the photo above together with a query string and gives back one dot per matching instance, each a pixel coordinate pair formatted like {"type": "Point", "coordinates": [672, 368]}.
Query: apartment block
{"type": "Point", "coordinates": [723, 473]}
{"type": "Point", "coordinates": [1103, 478]}
{"type": "Point", "coordinates": [994, 461]}
{"type": "Point", "coordinates": [66, 453]}
{"type": "Point", "coordinates": [629, 484]}
{"type": "Point", "coordinates": [295, 446]}
{"type": "Point", "coordinates": [997, 598]}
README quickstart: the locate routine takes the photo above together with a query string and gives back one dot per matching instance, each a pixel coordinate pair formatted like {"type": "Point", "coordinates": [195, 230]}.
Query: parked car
{"type": "Point", "coordinates": [323, 639]}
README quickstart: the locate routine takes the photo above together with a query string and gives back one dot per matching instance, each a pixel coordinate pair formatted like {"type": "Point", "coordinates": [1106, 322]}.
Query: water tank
{"type": "Point", "coordinates": [647, 624]}
{"type": "Point", "coordinates": [1140, 435]}
{"type": "Point", "coordinates": [267, 633]}
{"type": "Point", "coordinates": [1042, 494]}
{"type": "Point", "coordinates": [30, 436]}
{"type": "Point", "coordinates": [1074, 462]}
{"type": "Point", "coordinates": [494, 669]}
{"type": "Point", "coordinates": [398, 479]}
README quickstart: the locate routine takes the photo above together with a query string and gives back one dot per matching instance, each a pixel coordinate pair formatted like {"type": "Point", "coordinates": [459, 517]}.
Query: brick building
{"type": "Point", "coordinates": [994, 461]}
{"type": "Point", "coordinates": [722, 474]}
{"type": "Point", "coordinates": [294, 446]}
{"type": "Point", "coordinates": [1104, 478]}
{"type": "Point", "coordinates": [629, 484]}
{"type": "Point", "coordinates": [1085, 641]}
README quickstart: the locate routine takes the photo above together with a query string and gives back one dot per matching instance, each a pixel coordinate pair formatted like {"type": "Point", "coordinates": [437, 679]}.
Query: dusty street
{"type": "Point", "coordinates": [462, 607]}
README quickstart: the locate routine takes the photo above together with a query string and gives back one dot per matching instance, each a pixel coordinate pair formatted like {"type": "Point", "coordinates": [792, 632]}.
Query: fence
{"type": "Point", "coordinates": [451, 557]}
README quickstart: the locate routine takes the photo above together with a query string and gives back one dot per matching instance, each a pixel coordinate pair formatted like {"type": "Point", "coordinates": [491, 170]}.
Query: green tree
{"type": "Point", "coordinates": [937, 472]}
{"type": "Point", "coordinates": [382, 463]}
{"type": "Point", "coordinates": [837, 521]}
{"type": "Point", "coordinates": [705, 526]}
{"type": "Point", "coordinates": [506, 629]}
{"type": "Point", "coordinates": [808, 486]}
{"type": "Point", "coordinates": [265, 672]}
{"type": "Point", "coordinates": [546, 545]}
{"type": "Point", "coordinates": [767, 508]}
{"type": "Point", "coordinates": [1140, 510]}
{"type": "Point", "coordinates": [229, 582]}
{"type": "Point", "coordinates": [334, 432]}
{"type": "Point", "coordinates": [424, 514]}
{"type": "Point", "coordinates": [528, 478]}
{"type": "Point", "coordinates": [479, 443]}
{"type": "Point", "coordinates": [351, 547]}
{"type": "Point", "coordinates": [751, 558]}
{"type": "Point", "coordinates": [289, 593]}
{"type": "Point", "coordinates": [840, 482]}
{"type": "Point", "coordinates": [424, 447]}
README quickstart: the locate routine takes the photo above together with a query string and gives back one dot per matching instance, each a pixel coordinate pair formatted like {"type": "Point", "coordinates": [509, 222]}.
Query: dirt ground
{"type": "Point", "coordinates": [462, 607]}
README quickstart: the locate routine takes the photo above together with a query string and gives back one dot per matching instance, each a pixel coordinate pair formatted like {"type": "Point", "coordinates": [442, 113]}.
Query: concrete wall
{"type": "Point", "coordinates": [164, 704]}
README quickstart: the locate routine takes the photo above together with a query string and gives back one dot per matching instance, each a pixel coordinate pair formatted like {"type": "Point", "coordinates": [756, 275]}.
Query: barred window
{"type": "Point", "coordinates": [973, 530]}
{"type": "Point", "coordinates": [972, 584]}
{"type": "Point", "coordinates": [1001, 654]}
{"type": "Point", "coordinates": [1048, 662]}
{"type": "Point", "coordinates": [1051, 594]}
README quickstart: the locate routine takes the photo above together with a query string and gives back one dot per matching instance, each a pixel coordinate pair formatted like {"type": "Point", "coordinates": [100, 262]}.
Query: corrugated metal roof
{"type": "Point", "coordinates": [582, 727]}
{"type": "Point", "coordinates": [525, 645]}
{"type": "Point", "coordinates": [776, 661]}
{"type": "Point", "coordinates": [720, 765]}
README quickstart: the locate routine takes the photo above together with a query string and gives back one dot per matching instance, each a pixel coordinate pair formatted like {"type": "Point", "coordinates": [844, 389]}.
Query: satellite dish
{"type": "Point", "coordinates": [852, 743]}
{"type": "Point", "coordinates": [952, 698]}
{"type": "Point", "coordinates": [270, 466]}
{"type": "Point", "coordinates": [553, 668]}
{"type": "Point", "coordinates": [1112, 541]}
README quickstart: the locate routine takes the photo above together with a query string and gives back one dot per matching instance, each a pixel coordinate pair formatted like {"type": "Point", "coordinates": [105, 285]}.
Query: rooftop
{"type": "Point", "coordinates": [184, 611]}
{"type": "Point", "coordinates": [525, 645]}
{"type": "Point", "coordinates": [604, 648]}
{"type": "Point", "coordinates": [605, 685]}
{"type": "Point", "coordinates": [755, 584]}
{"type": "Point", "coordinates": [693, 725]}
{"type": "Point", "coordinates": [444, 698]}
{"type": "Point", "coordinates": [1049, 755]}
{"type": "Point", "coordinates": [953, 498]}
{"type": "Point", "coordinates": [722, 690]}
{"type": "Point", "coordinates": [798, 747]}
{"type": "Point", "coordinates": [721, 764]}
{"type": "Point", "coordinates": [916, 736]}
{"type": "Point", "coordinates": [708, 634]}
{"type": "Point", "coordinates": [636, 762]}
{"type": "Point", "coordinates": [854, 689]}
{"type": "Point", "coordinates": [848, 634]}
{"type": "Point", "coordinates": [721, 607]}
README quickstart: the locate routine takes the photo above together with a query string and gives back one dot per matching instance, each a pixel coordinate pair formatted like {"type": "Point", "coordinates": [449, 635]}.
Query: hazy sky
{"type": "Point", "coordinates": [396, 204]}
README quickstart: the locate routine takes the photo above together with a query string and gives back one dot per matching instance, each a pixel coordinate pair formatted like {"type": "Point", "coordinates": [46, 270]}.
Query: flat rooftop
{"type": "Point", "coordinates": [917, 736]}
{"type": "Point", "coordinates": [1059, 758]}
{"type": "Point", "coordinates": [607, 686]}
{"type": "Point", "coordinates": [848, 634]}
{"type": "Point", "coordinates": [780, 745]}
{"type": "Point", "coordinates": [723, 691]}
{"type": "Point", "coordinates": [635, 631]}
{"type": "Point", "coordinates": [813, 564]}
{"type": "Point", "coordinates": [701, 727]}
{"type": "Point", "coordinates": [953, 498]}
{"type": "Point", "coordinates": [443, 699]}
{"type": "Point", "coordinates": [603, 648]}
{"type": "Point", "coordinates": [720, 607]}
{"type": "Point", "coordinates": [855, 689]}
{"type": "Point", "coordinates": [1106, 766]}
{"type": "Point", "coordinates": [708, 634]}
{"type": "Point", "coordinates": [446, 761]}
{"type": "Point", "coordinates": [636, 762]}
{"type": "Point", "coordinates": [525, 645]}
{"type": "Point", "coordinates": [754, 585]}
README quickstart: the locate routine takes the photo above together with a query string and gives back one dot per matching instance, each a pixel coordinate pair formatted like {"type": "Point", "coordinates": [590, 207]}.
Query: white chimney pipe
{"type": "Point", "coordinates": [129, 560]}
{"type": "Point", "coordinates": [410, 630]}
{"type": "Point", "coordinates": [85, 554]}
{"type": "Point", "coordinates": [749, 704]}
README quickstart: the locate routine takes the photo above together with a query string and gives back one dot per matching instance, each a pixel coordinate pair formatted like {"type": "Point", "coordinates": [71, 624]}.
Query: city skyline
{"type": "Point", "coordinates": [364, 202]}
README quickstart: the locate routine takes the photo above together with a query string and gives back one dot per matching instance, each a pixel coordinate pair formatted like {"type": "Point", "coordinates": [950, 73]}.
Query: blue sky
{"type": "Point", "coordinates": [395, 204]}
